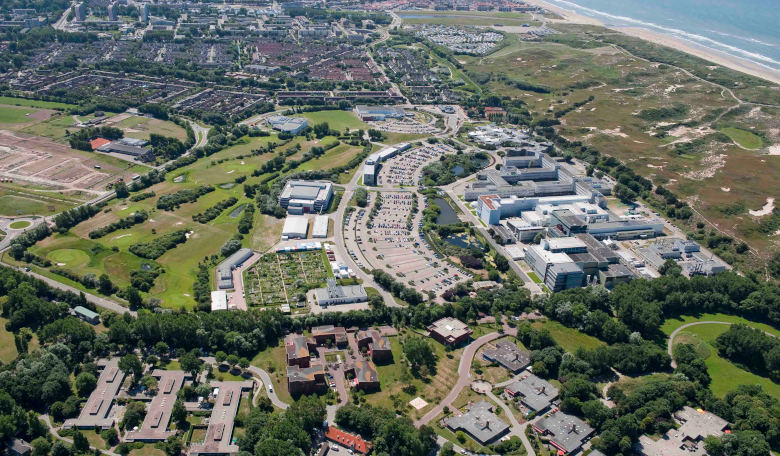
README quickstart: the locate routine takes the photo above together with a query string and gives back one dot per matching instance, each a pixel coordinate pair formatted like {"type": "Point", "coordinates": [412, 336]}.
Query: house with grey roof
{"type": "Point", "coordinates": [535, 393]}
{"type": "Point", "coordinates": [508, 355]}
{"type": "Point", "coordinates": [480, 423]}
{"type": "Point", "coordinates": [566, 432]}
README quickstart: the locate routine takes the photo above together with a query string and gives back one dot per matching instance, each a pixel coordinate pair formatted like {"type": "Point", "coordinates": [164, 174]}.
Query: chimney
{"type": "Point", "coordinates": [487, 424]}
{"type": "Point", "coordinates": [543, 387]}
{"type": "Point", "coordinates": [574, 428]}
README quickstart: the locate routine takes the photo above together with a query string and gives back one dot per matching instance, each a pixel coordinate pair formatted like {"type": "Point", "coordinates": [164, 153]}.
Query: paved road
{"type": "Point", "coordinates": [463, 377]}
{"type": "Point", "coordinates": [5, 225]}
{"type": "Point", "coordinates": [267, 382]}
{"type": "Point", "coordinates": [674, 333]}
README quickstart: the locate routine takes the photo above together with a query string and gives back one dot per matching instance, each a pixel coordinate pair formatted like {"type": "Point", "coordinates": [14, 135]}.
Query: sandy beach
{"type": "Point", "coordinates": [716, 57]}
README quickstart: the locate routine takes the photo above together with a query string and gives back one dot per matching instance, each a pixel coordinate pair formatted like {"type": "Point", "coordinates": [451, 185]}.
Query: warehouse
{"type": "Point", "coordinates": [293, 125]}
{"type": "Point", "coordinates": [299, 196]}
{"type": "Point", "coordinates": [379, 112]}
{"type": "Point", "coordinates": [225, 269]}
{"type": "Point", "coordinates": [218, 300]}
{"type": "Point", "coordinates": [320, 229]}
{"type": "Point", "coordinates": [143, 154]}
{"type": "Point", "coordinates": [295, 228]}
{"type": "Point", "coordinates": [338, 294]}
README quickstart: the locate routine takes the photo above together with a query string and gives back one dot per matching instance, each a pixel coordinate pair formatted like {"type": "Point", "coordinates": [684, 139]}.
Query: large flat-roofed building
{"type": "Point", "coordinates": [450, 331]}
{"type": "Point", "coordinates": [566, 432]}
{"type": "Point", "coordinates": [535, 393]}
{"type": "Point", "coordinates": [262, 69]}
{"type": "Point", "coordinates": [155, 425]}
{"type": "Point", "coordinates": [508, 355]}
{"type": "Point", "coordinates": [320, 228]}
{"type": "Point", "coordinates": [225, 269]}
{"type": "Point", "coordinates": [379, 112]}
{"type": "Point", "coordinates": [364, 375]}
{"type": "Point", "coordinates": [143, 154]}
{"type": "Point", "coordinates": [374, 162]}
{"type": "Point", "coordinates": [340, 294]}
{"type": "Point", "coordinates": [293, 125]}
{"type": "Point", "coordinates": [687, 440]}
{"type": "Point", "coordinates": [219, 435]}
{"type": "Point", "coordinates": [295, 228]}
{"type": "Point", "coordinates": [480, 423]}
{"type": "Point", "coordinates": [98, 411]}
{"type": "Point", "coordinates": [377, 345]}
{"type": "Point", "coordinates": [300, 197]}
{"type": "Point", "coordinates": [336, 334]}
{"type": "Point", "coordinates": [306, 380]}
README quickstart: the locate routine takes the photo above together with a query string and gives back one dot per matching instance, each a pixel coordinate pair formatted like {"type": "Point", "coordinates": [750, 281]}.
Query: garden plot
{"type": "Point", "coordinates": [276, 278]}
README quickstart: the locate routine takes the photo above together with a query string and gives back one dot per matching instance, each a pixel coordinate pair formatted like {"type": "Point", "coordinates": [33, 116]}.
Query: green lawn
{"type": "Point", "coordinates": [337, 120]}
{"type": "Point", "coordinates": [18, 225]}
{"type": "Point", "coordinates": [147, 450]}
{"type": "Point", "coordinates": [725, 375]}
{"type": "Point", "coordinates": [673, 323]}
{"type": "Point", "coordinates": [15, 115]}
{"type": "Point", "coordinates": [534, 277]}
{"type": "Point", "coordinates": [35, 103]}
{"type": "Point", "coordinates": [743, 137]}
{"type": "Point", "coordinates": [395, 138]}
{"type": "Point", "coordinates": [7, 346]}
{"type": "Point", "coordinates": [568, 338]}
{"type": "Point", "coordinates": [25, 205]}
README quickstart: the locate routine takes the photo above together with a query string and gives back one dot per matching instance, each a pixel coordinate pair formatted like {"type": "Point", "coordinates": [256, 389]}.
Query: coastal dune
{"type": "Point", "coordinates": [714, 56]}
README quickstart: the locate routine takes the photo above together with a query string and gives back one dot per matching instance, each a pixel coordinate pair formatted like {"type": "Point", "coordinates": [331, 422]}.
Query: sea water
{"type": "Point", "coordinates": [748, 29]}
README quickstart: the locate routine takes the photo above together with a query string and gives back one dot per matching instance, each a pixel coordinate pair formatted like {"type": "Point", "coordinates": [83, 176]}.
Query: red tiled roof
{"type": "Point", "coordinates": [348, 440]}
{"type": "Point", "coordinates": [97, 142]}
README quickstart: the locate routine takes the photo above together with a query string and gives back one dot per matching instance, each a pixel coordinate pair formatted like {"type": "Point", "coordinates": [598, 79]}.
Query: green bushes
{"type": "Point", "coordinates": [247, 219]}
{"type": "Point", "coordinates": [172, 201]}
{"type": "Point", "coordinates": [214, 211]}
{"type": "Point", "coordinates": [142, 196]}
{"type": "Point", "coordinates": [122, 224]}
{"type": "Point", "coordinates": [157, 247]}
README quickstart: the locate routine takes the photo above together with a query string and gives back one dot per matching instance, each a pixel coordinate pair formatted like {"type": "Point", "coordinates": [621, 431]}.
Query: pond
{"type": "Point", "coordinates": [457, 170]}
{"type": "Point", "coordinates": [447, 214]}
{"type": "Point", "coordinates": [462, 240]}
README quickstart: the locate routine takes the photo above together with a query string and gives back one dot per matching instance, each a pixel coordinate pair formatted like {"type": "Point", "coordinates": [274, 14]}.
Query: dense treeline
{"type": "Point", "coordinates": [214, 211]}
{"type": "Point", "coordinates": [287, 433]}
{"type": "Point", "coordinates": [158, 246]}
{"type": "Point", "coordinates": [398, 289]}
{"type": "Point", "coordinates": [752, 348]}
{"type": "Point", "coordinates": [142, 196]}
{"type": "Point", "coordinates": [122, 224]}
{"type": "Point", "coordinates": [247, 219]}
{"type": "Point", "coordinates": [167, 147]}
{"type": "Point", "coordinates": [388, 433]}
{"type": "Point", "coordinates": [172, 201]}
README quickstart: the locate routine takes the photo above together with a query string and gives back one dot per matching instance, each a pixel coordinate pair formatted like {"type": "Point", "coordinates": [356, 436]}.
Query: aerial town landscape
{"type": "Point", "coordinates": [399, 227]}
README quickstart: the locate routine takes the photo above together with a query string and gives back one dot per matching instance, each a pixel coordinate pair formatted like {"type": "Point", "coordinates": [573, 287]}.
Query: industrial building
{"type": "Point", "coordinates": [300, 197]}
{"type": "Point", "coordinates": [374, 162]}
{"type": "Point", "coordinates": [367, 113]}
{"type": "Point", "coordinates": [225, 269]}
{"type": "Point", "coordinates": [320, 228]}
{"type": "Point", "coordinates": [687, 254]}
{"type": "Point", "coordinates": [340, 294]}
{"type": "Point", "coordinates": [292, 125]}
{"type": "Point", "coordinates": [219, 300]}
{"type": "Point", "coordinates": [143, 154]}
{"type": "Point", "coordinates": [449, 331]}
{"type": "Point", "coordinates": [295, 228]}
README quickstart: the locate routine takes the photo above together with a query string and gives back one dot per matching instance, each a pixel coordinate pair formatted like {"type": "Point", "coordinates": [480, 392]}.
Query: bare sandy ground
{"type": "Point", "coordinates": [716, 57]}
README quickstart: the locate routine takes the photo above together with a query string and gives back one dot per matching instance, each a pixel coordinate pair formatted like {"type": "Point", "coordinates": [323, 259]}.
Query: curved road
{"type": "Point", "coordinates": [674, 333]}
{"type": "Point", "coordinates": [267, 382]}
{"type": "Point", "coordinates": [53, 431]}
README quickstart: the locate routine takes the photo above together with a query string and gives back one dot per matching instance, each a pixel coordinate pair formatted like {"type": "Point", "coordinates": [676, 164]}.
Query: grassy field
{"type": "Point", "coordinates": [146, 126]}
{"type": "Point", "coordinates": [568, 338]}
{"type": "Point", "coordinates": [10, 115]}
{"type": "Point", "coordinates": [337, 120]}
{"type": "Point", "coordinates": [338, 156]}
{"type": "Point", "coordinates": [11, 204]}
{"type": "Point", "coordinates": [743, 137]}
{"type": "Point", "coordinates": [673, 323]}
{"type": "Point", "coordinates": [725, 375]}
{"type": "Point", "coordinates": [95, 439]}
{"type": "Point", "coordinates": [147, 450]}
{"type": "Point", "coordinates": [56, 126]}
{"type": "Point", "coordinates": [7, 347]}
{"type": "Point", "coordinates": [35, 103]}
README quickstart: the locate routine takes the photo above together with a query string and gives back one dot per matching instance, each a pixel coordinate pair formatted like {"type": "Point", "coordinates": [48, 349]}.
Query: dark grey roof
{"type": "Point", "coordinates": [568, 431]}
{"type": "Point", "coordinates": [508, 355]}
{"type": "Point", "coordinates": [536, 392]}
{"type": "Point", "coordinates": [480, 422]}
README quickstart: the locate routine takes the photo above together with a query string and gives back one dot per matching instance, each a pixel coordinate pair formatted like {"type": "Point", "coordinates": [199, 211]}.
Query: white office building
{"type": "Point", "coordinates": [300, 197]}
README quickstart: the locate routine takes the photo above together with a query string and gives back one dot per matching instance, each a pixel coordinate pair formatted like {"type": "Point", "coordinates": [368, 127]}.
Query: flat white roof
{"type": "Point", "coordinates": [218, 300]}
{"type": "Point", "coordinates": [295, 226]}
{"type": "Point", "coordinates": [320, 226]}
{"type": "Point", "coordinates": [565, 243]}
{"type": "Point", "coordinates": [549, 257]}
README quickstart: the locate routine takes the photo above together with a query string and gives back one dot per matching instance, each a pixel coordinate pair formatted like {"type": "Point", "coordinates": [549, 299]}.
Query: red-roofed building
{"type": "Point", "coordinates": [97, 142]}
{"type": "Point", "coordinates": [345, 439]}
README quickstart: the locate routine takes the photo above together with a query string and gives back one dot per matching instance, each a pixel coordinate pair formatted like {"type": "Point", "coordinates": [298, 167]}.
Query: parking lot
{"type": "Point", "coordinates": [405, 169]}
{"type": "Point", "coordinates": [392, 242]}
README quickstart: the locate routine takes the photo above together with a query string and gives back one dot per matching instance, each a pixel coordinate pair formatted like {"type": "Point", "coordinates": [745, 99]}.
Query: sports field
{"type": "Point", "coordinates": [13, 115]}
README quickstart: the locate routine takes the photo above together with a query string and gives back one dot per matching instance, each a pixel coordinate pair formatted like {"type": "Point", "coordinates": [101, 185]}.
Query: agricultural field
{"type": "Point", "coordinates": [680, 131]}
{"type": "Point", "coordinates": [278, 277]}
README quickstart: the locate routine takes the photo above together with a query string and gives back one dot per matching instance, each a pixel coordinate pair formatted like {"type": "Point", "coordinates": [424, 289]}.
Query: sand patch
{"type": "Point", "coordinates": [774, 150]}
{"type": "Point", "coordinates": [61, 264]}
{"type": "Point", "coordinates": [151, 220]}
{"type": "Point", "coordinates": [231, 171]}
{"type": "Point", "coordinates": [726, 189]}
{"type": "Point", "coordinates": [766, 210]}
{"type": "Point", "coordinates": [124, 235]}
{"type": "Point", "coordinates": [188, 234]}
{"type": "Point", "coordinates": [418, 403]}
{"type": "Point", "coordinates": [615, 132]}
